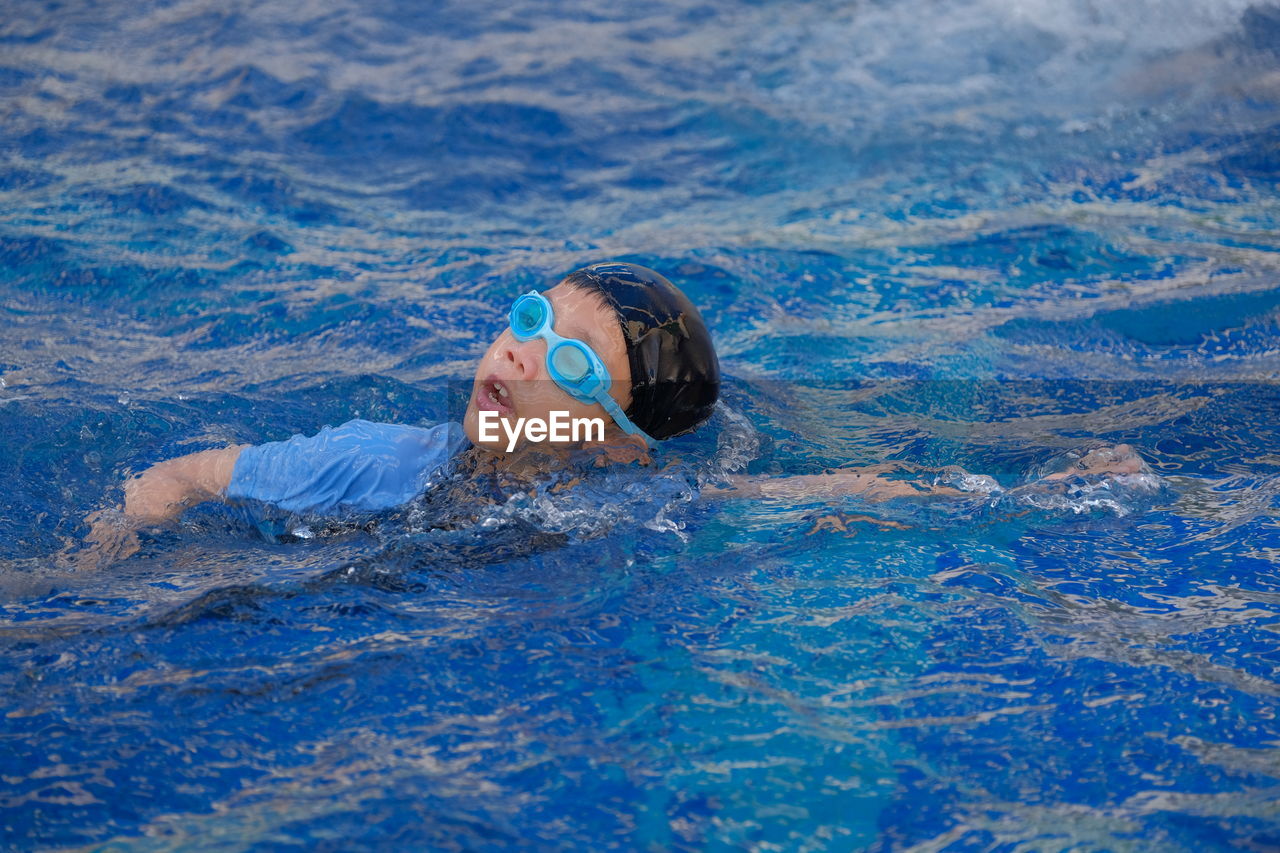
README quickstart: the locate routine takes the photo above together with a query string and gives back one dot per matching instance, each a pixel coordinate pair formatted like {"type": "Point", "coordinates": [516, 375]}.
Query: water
{"type": "Point", "coordinates": [976, 233]}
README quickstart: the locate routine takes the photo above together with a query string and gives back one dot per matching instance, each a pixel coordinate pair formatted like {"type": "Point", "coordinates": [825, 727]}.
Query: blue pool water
{"type": "Point", "coordinates": [981, 233]}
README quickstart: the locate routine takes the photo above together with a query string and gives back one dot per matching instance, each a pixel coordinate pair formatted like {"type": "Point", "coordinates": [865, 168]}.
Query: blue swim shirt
{"type": "Point", "coordinates": [360, 465]}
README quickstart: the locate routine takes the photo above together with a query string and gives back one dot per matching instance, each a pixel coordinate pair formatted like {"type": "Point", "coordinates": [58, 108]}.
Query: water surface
{"type": "Point", "coordinates": [976, 233]}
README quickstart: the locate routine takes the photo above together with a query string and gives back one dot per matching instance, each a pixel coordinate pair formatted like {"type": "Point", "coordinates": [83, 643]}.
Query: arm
{"type": "Point", "coordinates": [359, 465]}
{"type": "Point", "coordinates": [158, 494]}
{"type": "Point", "coordinates": [167, 488]}
{"type": "Point", "coordinates": [871, 482]}
{"type": "Point", "coordinates": [889, 480]}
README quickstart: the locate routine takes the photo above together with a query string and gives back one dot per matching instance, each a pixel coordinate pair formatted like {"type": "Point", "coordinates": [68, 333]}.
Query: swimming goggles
{"type": "Point", "coordinates": [572, 364]}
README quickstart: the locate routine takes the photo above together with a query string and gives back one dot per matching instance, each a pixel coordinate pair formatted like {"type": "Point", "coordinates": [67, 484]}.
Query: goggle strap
{"type": "Point", "coordinates": [620, 417]}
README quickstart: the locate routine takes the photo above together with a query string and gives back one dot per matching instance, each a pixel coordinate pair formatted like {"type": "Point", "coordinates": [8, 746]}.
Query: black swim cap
{"type": "Point", "coordinates": [675, 375]}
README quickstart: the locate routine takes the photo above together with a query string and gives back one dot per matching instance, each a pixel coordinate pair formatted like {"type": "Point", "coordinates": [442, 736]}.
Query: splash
{"type": "Point", "coordinates": [584, 501]}
{"type": "Point", "coordinates": [1109, 479]}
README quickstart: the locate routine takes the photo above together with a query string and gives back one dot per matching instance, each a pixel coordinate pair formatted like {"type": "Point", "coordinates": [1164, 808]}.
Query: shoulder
{"type": "Point", "coordinates": [373, 435]}
{"type": "Point", "coordinates": [360, 463]}
{"type": "Point", "coordinates": [401, 440]}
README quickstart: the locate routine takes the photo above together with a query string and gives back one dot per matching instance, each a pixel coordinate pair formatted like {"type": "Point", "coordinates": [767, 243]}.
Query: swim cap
{"type": "Point", "coordinates": [675, 375]}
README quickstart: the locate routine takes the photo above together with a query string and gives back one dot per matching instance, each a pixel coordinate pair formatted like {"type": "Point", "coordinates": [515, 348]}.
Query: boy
{"type": "Point", "coordinates": [615, 345]}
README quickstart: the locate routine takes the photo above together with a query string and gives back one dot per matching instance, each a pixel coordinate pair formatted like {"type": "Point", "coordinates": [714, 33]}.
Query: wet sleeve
{"type": "Point", "coordinates": [360, 465]}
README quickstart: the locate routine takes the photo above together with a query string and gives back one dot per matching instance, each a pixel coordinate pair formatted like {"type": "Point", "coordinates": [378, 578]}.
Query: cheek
{"type": "Point", "coordinates": [544, 396]}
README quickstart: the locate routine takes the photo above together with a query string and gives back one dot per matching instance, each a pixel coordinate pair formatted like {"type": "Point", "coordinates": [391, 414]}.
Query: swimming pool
{"type": "Point", "coordinates": [976, 233]}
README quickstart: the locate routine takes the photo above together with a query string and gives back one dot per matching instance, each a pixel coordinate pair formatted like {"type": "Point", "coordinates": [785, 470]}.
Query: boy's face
{"type": "Point", "coordinates": [512, 378]}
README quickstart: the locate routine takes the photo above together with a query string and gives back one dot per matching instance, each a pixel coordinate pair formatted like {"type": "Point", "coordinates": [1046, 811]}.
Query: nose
{"type": "Point", "coordinates": [523, 357]}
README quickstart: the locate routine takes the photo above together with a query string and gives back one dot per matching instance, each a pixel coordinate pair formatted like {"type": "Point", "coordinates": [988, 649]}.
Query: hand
{"type": "Point", "coordinates": [112, 537]}
{"type": "Point", "coordinates": [1120, 459]}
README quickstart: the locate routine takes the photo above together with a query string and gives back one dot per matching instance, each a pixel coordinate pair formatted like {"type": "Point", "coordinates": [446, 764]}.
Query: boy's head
{"type": "Point", "coordinates": [646, 334]}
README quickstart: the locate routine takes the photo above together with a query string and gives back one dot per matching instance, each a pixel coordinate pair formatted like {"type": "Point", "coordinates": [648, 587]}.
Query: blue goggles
{"type": "Point", "coordinates": [573, 365]}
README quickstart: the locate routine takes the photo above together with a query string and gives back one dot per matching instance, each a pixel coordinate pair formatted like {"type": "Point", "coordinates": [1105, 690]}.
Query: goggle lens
{"type": "Point", "coordinates": [570, 362]}
{"type": "Point", "coordinates": [529, 315]}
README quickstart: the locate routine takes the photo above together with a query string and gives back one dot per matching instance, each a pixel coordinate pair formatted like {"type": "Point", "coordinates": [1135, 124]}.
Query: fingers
{"type": "Point", "coordinates": [1115, 459]}
{"type": "Point", "coordinates": [112, 537]}
{"type": "Point", "coordinates": [112, 549]}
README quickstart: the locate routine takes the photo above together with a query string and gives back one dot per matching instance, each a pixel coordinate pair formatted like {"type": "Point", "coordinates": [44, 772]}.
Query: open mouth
{"type": "Point", "coordinates": [493, 396]}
